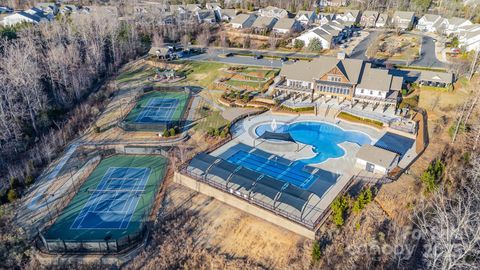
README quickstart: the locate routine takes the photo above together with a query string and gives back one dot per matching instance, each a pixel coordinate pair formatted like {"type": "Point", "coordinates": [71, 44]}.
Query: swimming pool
{"type": "Point", "coordinates": [323, 137]}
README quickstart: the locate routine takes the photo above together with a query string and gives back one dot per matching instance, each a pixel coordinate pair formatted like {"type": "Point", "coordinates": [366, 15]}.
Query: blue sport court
{"type": "Point", "coordinates": [114, 200]}
{"type": "Point", "coordinates": [158, 110]}
{"type": "Point", "coordinates": [276, 167]}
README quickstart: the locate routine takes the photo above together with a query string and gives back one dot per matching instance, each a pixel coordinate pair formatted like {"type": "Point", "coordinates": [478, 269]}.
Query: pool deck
{"type": "Point", "coordinates": [244, 135]}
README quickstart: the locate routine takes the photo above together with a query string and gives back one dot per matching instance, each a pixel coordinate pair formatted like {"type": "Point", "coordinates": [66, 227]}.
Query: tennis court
{"type": "Point", "coordinates": [114, 200]}
{"type": "Point", "coordinates": [158, 108]}
{"type": "Point", "coordinates": [112, 204]}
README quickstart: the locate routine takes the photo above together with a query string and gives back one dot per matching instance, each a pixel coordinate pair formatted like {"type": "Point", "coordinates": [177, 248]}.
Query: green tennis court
{"type": "Point", "coordinates": [113, 201]}
{"type": "Point", "coordinates": [158, 108]}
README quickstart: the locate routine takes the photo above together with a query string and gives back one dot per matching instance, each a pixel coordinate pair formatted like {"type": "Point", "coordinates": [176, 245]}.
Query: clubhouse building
{"type": "Point", "coordinates": [339, 78]}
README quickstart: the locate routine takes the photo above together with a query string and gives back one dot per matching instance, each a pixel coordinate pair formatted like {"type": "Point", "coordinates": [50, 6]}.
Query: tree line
{"type": "Point", "coordinates": [47, 73]}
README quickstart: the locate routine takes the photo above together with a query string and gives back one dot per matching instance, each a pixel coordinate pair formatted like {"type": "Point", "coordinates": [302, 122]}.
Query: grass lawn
{"type": "Point", "coordinates": [201, 73]}
{"type": "Point", "coordinates": [357, 119]}
{"type": "Point", "coordinates": [62, 228]}
{"type": "Point", "coordinates": [142, 73]}
{"type": "Point", "coordinates": [213, 119]}
{"type": "Point", "coordinates": [257, 85]}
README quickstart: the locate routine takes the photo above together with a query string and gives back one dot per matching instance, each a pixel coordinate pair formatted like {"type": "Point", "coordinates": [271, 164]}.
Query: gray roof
{"type": "Point", "coordinates": [405, 15]}
{"type": "Point", "coordinates": [456, 21]}
{"type": "Point", "coordinates": [376, 155]}
{"type": "Point", "coordinates": [230, 12]}
{"type": "Point", "coordinates": [354, 12]}
{"type": "Point", "coordinates": [308, 71]}
{"type": "Point", "coordinates": [375, 79]}
{"type": "Point", "coordinates": [397, 83]}
{"type": "Point", "coordinates": [304, 12]}
{"type": "Point", "coordinates": [284, 23]}
{"type": "Point", "coordinates": [368, 13]}
{"type": "Point", "coordinates": [158, 51]}
{"type": "Point", "coordinates": [241, 18]}
{"type": "Point", "coordinates": [206, 14]}
{"type": "Point", "coordinates": [382, 17]}
{"type": "Point", "coordinates": [262, 22]}
{"type": "Point", "coordinates": [431, 17]}
{"type": "Point", "coordinates": [436, 76]}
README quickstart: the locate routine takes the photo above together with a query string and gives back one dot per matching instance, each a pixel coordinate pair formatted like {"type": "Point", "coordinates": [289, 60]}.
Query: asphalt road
{"type": "Point", "coordinates": [427, 57]}
{"type": "Point", "coordinates": [237, 60]}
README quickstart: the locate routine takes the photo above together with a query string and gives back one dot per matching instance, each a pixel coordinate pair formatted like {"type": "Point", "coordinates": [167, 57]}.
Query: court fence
{"type": "Point", "coordinates": [94, 246]}
{"type": "Point", "coordinates": [161, 126]}
{"type": "Point", "coordinates": [101, 246]}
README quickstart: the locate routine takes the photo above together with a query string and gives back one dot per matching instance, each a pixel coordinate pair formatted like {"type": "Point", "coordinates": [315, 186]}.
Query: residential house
{"type": "Point", "coordinates": [273, 12]}
{"type": "Point", "coordinates": [163, 53]}
{"type": "Point", "coordinates": [430, 23]}
{"type": "Point", "coordinates": [242, 21]}
{"type": "Point", "coordinates": [213, 6]}
{"type": "Point", "coordinates": [454, 24]}
{"type": "Point", "coordinates": [306, 17]}
{"type": "Point", "coordinates": [150, 7]}
{"type": "Point", "coordinates": [403, 19]}
{"type": "Point", "coordinates": [469, 37]}
{"type": "Point", "coordinates": [435, 78]}
{"type": "Point", "coordinates": [382, 20]}
{"type": "Point", "coordinates": [48, 7]}
{"type": "Point", "coordinates": [206, 16]}
{"type": "Point", "coordinates": [33, 15]}
{"type": "Point", "coordinates": [178, 9]}
{"type": "Point", "coordinates": [227, 14]}
{"type": "Point", "coordinates": [377, 160]}
{"type": "Point", "coordinates": [331, 3]}
{"type": "Point", "coordinates": [4, 10]}
{"type": "Point", "coordinates": [286, 25]}
{"type": "Point", "coordinates": [369, 18]}
{"type": "Point", "coordinates": [324, 18]}
{"type": "Point", "coordinates": [192, 7]}
{"type": "Point", "coordinates": [350, 16]}
{"type": "Point", "coordinates": [264, 24]}
{"type": "Point", "coordinates": [338, 78]}
{"type": "Point", "coordinates": [327, 34]}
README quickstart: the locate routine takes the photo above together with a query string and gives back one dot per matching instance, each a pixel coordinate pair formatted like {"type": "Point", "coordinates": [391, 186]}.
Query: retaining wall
{"type": "Point", "coordinates": [243, 205]}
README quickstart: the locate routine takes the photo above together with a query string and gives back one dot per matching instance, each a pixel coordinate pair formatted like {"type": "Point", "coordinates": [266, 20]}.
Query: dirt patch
{"type": "Point", "coordinates": [228, 230]}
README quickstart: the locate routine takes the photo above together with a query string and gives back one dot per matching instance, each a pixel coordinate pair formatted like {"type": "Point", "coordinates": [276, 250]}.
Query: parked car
{"type": "Point", "coordinates": [225, 55]}
{"type": "Point", "coordinates": [258, 56]}
{"type": "Point", "coordinates": [284, 59]}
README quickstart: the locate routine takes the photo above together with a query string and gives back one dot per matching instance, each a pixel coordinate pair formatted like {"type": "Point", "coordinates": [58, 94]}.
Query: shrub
{"type": "Point", "coordinates": [315, 45]}
{"type": "Point", "coordinates": [12, 195]}
{"type": "Point", "coordinates": [364, 198]}
{"type": "Point", "coordinates": [316, 252]}
{"type": "Point", "coordinates": [298, 44]}
{"type": "Point", "coordinates": [431, 176]}
{"type": "Point", "coordinates": [96, 129]}
{"type": "Point", "coordinates": [339, 209]}
{"type": "Point", "coordinates": [172, 132]}
{"type": "Point", "coordinates": [166, 133]}
{"type": "Point", "coordinates": [29, 180]}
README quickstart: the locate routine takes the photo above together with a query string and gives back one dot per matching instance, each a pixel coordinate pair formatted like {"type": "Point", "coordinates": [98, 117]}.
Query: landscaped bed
{"type": "Point", "coordinates": [358, 119]}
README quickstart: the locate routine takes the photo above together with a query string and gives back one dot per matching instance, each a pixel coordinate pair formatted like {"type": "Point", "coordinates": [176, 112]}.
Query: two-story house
{"type": "Point", "coordinates": [324, 18]}
{"type": "Point", "coordinates": [454, 24]}
{"type": "Point", "coordinates": [273, 12]}
{"type": "Point", "coordinates": [369, 18]}
{"type": "Point", "coordinates": [430, 23]}
{"type": "Point", "coordinates": [403, 19]}
{"type": "Point", "coordinates": [350, 16]}
{"type": "Point", "coordinates": [306, 17]}
{"type": "Point", "coordinates": [469, 37]}
{"type": "Point", "coordinates": [242, 21]}
{"type": "Point", "coordinates": [382, 20]}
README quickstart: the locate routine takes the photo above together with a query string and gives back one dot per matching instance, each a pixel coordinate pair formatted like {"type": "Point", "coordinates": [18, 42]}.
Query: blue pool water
{"type": "Point", "coordinates": [281, 169]}
{"type": "Point", "coordinates": [323, 137]}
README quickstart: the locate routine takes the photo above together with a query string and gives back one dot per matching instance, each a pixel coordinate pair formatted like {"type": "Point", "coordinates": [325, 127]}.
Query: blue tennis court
{"type": "Point", "coordinates": [158, 110]}
{"type": "Point", "coordinates": [285, 170]}
{"type": "Point", "coordinates": [114, 200]}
